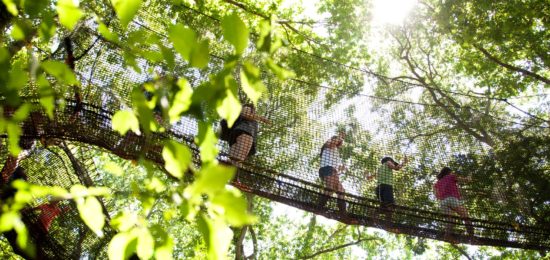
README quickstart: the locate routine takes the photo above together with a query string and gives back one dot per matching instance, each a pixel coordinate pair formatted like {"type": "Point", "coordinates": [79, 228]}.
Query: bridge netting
{"type": "Point", "coordinates": [305, 113]}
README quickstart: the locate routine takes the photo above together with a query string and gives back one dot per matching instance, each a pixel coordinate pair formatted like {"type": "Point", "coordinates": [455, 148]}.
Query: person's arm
{"type": "Point", "coordinates": [400, 166]}
{"type": "Point", "coordinates": [463, 178]}
{"type": "Point", "coordinates": [248, 114]}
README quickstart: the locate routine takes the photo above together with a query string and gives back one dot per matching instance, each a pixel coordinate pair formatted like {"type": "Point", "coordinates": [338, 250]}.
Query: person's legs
{"type": "Point", "coordinates": [387, 200]}
{"type": "Point", "coordinates": [447, 209]}
{"type": "Point", "coordinates": [326, 194]}
{"type": "Point", "coordinates": [378, 213]}
{"type": "Point", "coordinates": [463, 213]}
{"type": "Point", "coordinates": [338, 187]}
{"type": "Point", "coordinates": [239, 150]}
{"type": "Point", "coordinates": [326, 173]}
{"type": "Point", "coordinates": [391, 201]}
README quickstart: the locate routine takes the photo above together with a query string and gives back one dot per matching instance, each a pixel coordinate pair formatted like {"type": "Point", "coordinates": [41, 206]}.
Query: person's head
{"type": "Point", "coordinates": [387, 159]}
{"type": "Point", "coordinates": [251, 106]}
{"type": "Point", "coordinates": [337, 140]}
{"type": "Point", "coordinates": [342, 134]}
{"type": "Point", "coordinates": [444, 172]}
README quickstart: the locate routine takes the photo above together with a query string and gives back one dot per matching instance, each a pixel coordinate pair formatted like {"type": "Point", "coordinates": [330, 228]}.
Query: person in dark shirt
{"type": "Point", "coordinates": [242, 139]}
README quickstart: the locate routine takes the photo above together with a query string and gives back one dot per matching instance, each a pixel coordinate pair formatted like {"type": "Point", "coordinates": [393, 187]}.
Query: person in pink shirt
{"type": "Point", "coordinates": [48, 213]}
{"type": "Point", "coordinates": [448, 194]}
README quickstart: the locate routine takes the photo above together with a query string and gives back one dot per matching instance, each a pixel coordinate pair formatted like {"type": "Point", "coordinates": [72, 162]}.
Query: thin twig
{"type": "Point", "coordinates": [328, 250]}
{"type": "Point", "coordinates": [462, 251]}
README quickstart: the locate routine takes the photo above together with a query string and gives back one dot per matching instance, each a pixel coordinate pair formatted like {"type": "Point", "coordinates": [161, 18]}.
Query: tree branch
{"type": "Point", "coordinates": [430, 134]}
{"type": "Point", "coordinates": [254, 244]}
{"type": "Point", "coordinates": [239, 245]}
{"type": "Point", "coordinates": [328, 250]}
{"type": "Point", "coordinates": [462, 251]}
{"type": "Point", "coordinates": [284, 23]}
{"type": "Point", "coordinates": [511, 67]}
{"type": "Point", "coordinates": [83, 176]}
{"type": "Point", "coordinates": [239, 251]}
{"type": "Point", "coordinates": [432, 91]}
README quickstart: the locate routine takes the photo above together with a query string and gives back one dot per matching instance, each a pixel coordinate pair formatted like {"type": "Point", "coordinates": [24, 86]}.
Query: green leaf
{"type": "Point", "coordinates": [91, 213]}
{"type": "Point", "coordinates": [47, 95]}
{"type": "Point", "coordinates": [18, 76]}
{"type": "Point", "coordinates": [38, 191]}
{"type": "Point", "coordinates": [124, 221]}
{"type": "Point", "coordinates": [113, 168]}
{"type": "Point", "coordinates": [69, 13]}
{"type": "Point", "coordinates": [182, 100]}
{"type": "Point", "coordinates": [145, 244]}
{"type": "Point", "coordinates": [177, 158]}
{"type": "Point", "coordinates": [230, 107]}
{"type": "Point", "coordinates": [211, 179]}
{"type": "Point", "coordinates": [203, 226]}
{"type": "Point", "coordinates": [207, 141]}
{"type": "Point", "coordinates": [235, 32]}
{"type": "Point", "coordinates": [251, 82]}
{"type": "Point", "coordinates": [120, 247]}
{"type": "Point", "coordinates": [200, 55]}
{"type": "Point", "coordinates": [155, 184]}
{"type": "Point", "coordinates": [7, 220]}
{"type": "Point", "coordinates": [11, 7]}
{"type": "Point", "coordinates": [234, 208]}
{"type": "Point", "coordinates": [18, 31]}
{"type": "Point", "coordinates": [165, 251]}
{"type": "Point", "coordinates": [130, 60]}
{"type": "Point", "coordinates": [14, 134]}
{"type": "Point", "coordinates": [144, 112]}
{"type": "Point", "coordinates": [219, 238]}
{"type": "Point", "coordinates": [168, 55]}
{"type": "Point", "coordinates": [153, 56]}
{"type": "Point", "coordinates": [23, 238]}
{"type": "Point", "coordinates": [163, 242]}
{"type": "Point", "coordinates": [279, 71]}
{"type": "Point", "coordinates": [23, 197]}
{"type": "Point", "coordinates": [264, 41]}
{"type": "Point", "coordinates": [184, 39]}
{"type": "Point", "coordinates": [22, 113]}
{"type": "Point", "coordinates": [35, 8]}
{"type": "Point", "coordinates": [126, 9]}
{"type": "Point", "coordinates": [107, 34]}
{"type": "Point", "coordinates": [60, 71]}
{"type": "Point", "coordinates": [125, 120]}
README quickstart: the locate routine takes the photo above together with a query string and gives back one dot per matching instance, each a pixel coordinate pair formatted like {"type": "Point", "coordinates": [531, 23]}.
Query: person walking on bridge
{"type": "Point", "coordinates": [384, 188]}
{"type": "Point", "coordinates": [242, 136]}
{"type": "Point", "coordinates": [448, 194]}
{"type": "Point", "coordinates": [330, 168]}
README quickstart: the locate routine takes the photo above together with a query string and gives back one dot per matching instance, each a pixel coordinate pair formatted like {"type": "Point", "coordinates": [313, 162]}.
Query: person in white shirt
{"type": "Point", "coordinates": [330, 168]}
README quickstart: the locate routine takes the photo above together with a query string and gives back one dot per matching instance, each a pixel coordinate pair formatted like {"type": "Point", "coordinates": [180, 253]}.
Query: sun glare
{"type": "Point", "coordinates": [391, 12]}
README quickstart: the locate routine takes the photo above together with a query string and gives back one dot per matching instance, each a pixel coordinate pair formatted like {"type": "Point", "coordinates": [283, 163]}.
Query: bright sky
{"type": "Point", "coordinates": [385, 12]}
{"type": "Point", "coordinates": [391, 12]}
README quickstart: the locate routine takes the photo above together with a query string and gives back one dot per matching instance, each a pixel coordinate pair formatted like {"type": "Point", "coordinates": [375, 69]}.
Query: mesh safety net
{"type": "Point", "coordinates": [325, 150]}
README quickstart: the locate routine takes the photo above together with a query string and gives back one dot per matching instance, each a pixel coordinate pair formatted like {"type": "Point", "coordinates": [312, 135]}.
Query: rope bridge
{"type": "Point", "coordinates": [298, 189]}
{"type": "Point", "coordinates": [285, 167]}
